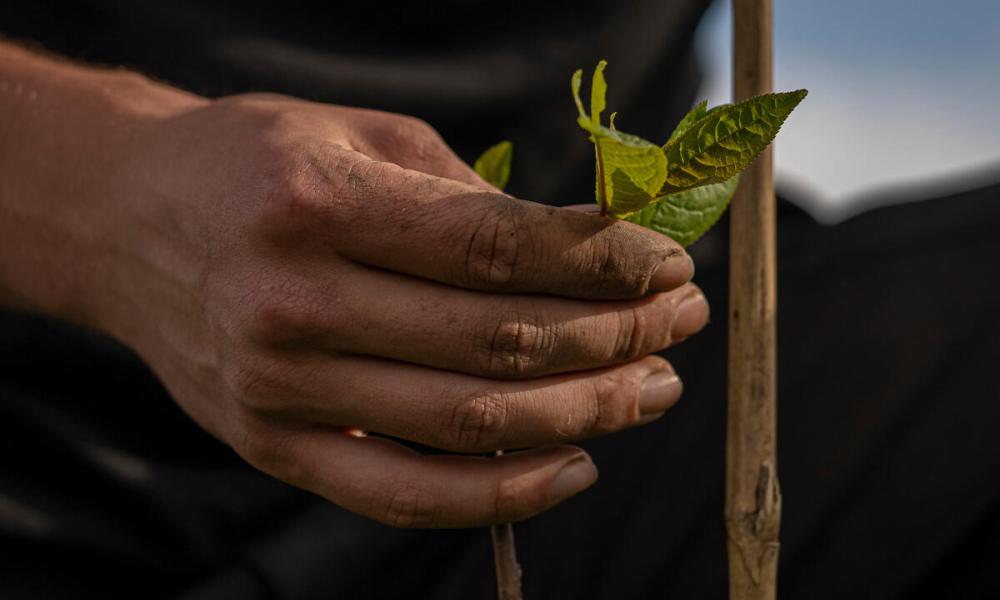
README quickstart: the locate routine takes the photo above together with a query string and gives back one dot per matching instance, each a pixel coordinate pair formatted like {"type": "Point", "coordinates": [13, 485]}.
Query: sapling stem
{"type": "Point", "coordinates": [753, 499]}
{"type": "Point", "coordinates": [602, 193]}
{"type": "Point", "coordinates": [505, 559]}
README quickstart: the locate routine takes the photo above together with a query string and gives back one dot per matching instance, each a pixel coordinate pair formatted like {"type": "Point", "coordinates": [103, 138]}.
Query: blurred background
{"type": "Point", "coordinates": [903, 99]}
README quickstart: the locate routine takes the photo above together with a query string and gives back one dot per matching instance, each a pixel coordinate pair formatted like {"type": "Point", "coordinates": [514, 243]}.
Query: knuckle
{"type": "Point", "coordinates": [611, 406]}
{"type": "Point", "coordinates": [259, 385]}
{"type": "Point", "coordinates": [290, 181]}
{"type": "Point", "coordinates": [350, 189]}
{"type": "Point", "coordinates": [261, 114]}
{"type": "Point", "coordinates": [290, 311]}
{"type": "Point", "coordinates": [311, 186]}
{"type": "Point", "coordinates": [406, 506]}
{"type": "Point", "coordinates": [509, 498]}
{"type": "Point", "coordinates": [498, 248]}
{"type": "Point", "coordinates": [480, 423]}
{"type": "Point", "coordinates": [631, 336]}
{"type": "Point", "coordinates": [263, 103]}
{"type": "Point", "coordinates": [289, 201]}
{"type": "Point", "coordinates": [517, 346]}
{"type": "Point", "coordinates": [396, 134]}
{"type": "Point", "coordinates": [283, 116]}
{"type": "Point", "coordinates": [415, 126]}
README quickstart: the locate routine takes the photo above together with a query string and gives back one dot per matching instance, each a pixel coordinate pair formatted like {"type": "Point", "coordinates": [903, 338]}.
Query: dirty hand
{"type": "Point", "coordinates": [295, 272]}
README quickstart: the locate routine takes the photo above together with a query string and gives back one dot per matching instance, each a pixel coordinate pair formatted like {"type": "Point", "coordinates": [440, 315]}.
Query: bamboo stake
{"type": "Point", "coordinates": [753, 499]}
{"type": "Point", "coordinates": [505, 559]}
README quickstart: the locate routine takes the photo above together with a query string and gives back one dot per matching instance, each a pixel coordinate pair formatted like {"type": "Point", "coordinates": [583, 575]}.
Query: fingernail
{"type": "Point", "coordinates": [691, 316]}
{"type": "Point", "coordinates": [674, 272]}
{"type": "Point", "coordinates": [660, 391]}
{"type": "Point", "coordinates": [576, 476]}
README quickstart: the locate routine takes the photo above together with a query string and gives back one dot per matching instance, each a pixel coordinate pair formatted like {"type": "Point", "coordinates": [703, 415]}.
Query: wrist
{"type": "Point", "coordinates": [66, 134]}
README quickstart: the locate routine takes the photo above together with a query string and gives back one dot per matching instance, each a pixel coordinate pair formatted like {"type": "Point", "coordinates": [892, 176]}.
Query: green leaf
{"type": "Point", "coordinates": [598, 93]}
{"type": "Point", "coordinates": [494, 164]}
{"type": "Point", "coordinates": [588, 125]}
{"type": "Point", "coordinates": [686, 215]}
{"type": "Point", "coordinates": [684, 187]}
{"type": "Point", "coordinates": [630, 171]}
{"type": "Point", "coordinates": [725, 140]}
{"type": "Point", "coordinates": [574, 83]}
{"type": "Point", "coordinates": [699, 111]}
{"type": "Point", "coordinates": [634, 170]}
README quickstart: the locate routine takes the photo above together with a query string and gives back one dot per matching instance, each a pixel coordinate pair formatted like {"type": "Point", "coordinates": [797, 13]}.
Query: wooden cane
{"type": "Point", "coordinates": [753, 499]}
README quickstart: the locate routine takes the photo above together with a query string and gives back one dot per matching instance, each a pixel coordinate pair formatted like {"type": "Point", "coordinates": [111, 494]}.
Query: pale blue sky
{"type": "Point", "coordinates": [901, 91]}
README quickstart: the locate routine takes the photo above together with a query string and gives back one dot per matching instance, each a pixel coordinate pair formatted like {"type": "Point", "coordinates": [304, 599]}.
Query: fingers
{"type": "Point", "coordinates": [511, 335]}
{"type": "Point", "coordinates": [385, 314]}
{"type": "Point", "coordinates": [396, 486]}
{"type": "Point", "coordinates": [414, 223]}
{"type": "Point", "coordinates": [459, 412]}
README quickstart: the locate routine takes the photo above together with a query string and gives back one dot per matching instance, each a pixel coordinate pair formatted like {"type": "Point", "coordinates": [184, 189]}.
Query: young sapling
{"type": "Point", "coordinates": [679, 189]}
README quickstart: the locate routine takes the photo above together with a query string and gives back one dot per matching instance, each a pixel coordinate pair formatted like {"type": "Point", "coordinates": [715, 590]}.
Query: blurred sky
{"type": "Point", "coordinates": [900, 92]}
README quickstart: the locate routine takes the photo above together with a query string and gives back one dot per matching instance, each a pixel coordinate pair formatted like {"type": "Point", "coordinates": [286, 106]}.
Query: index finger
{"type": "Point", "coordinates": [411, 222]}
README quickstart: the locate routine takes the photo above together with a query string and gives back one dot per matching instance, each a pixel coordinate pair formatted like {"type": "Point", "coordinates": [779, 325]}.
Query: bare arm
{"type": "Point", "coordinates": [292, 270]}
{"type": "Point", "coordinates": [64, 130]}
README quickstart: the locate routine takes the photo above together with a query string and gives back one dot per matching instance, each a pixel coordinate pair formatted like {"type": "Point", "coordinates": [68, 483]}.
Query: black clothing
{"type": "Point", "coordinates": [476, 74]}
{"type": "Point", "coordinates": [888, 331]}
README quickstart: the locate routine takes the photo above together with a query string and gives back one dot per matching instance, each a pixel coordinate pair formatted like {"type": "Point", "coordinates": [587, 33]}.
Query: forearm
{"type": "Point", "coordinates": [64, 132]}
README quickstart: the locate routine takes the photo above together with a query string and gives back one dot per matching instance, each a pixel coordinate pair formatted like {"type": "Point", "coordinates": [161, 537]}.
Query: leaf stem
{"type": "Point", "coordinates": [602, 192]}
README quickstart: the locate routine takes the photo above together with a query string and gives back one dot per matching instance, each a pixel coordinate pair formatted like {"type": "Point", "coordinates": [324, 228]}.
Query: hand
{"type": "Point", "coordinates": [296, 272]}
